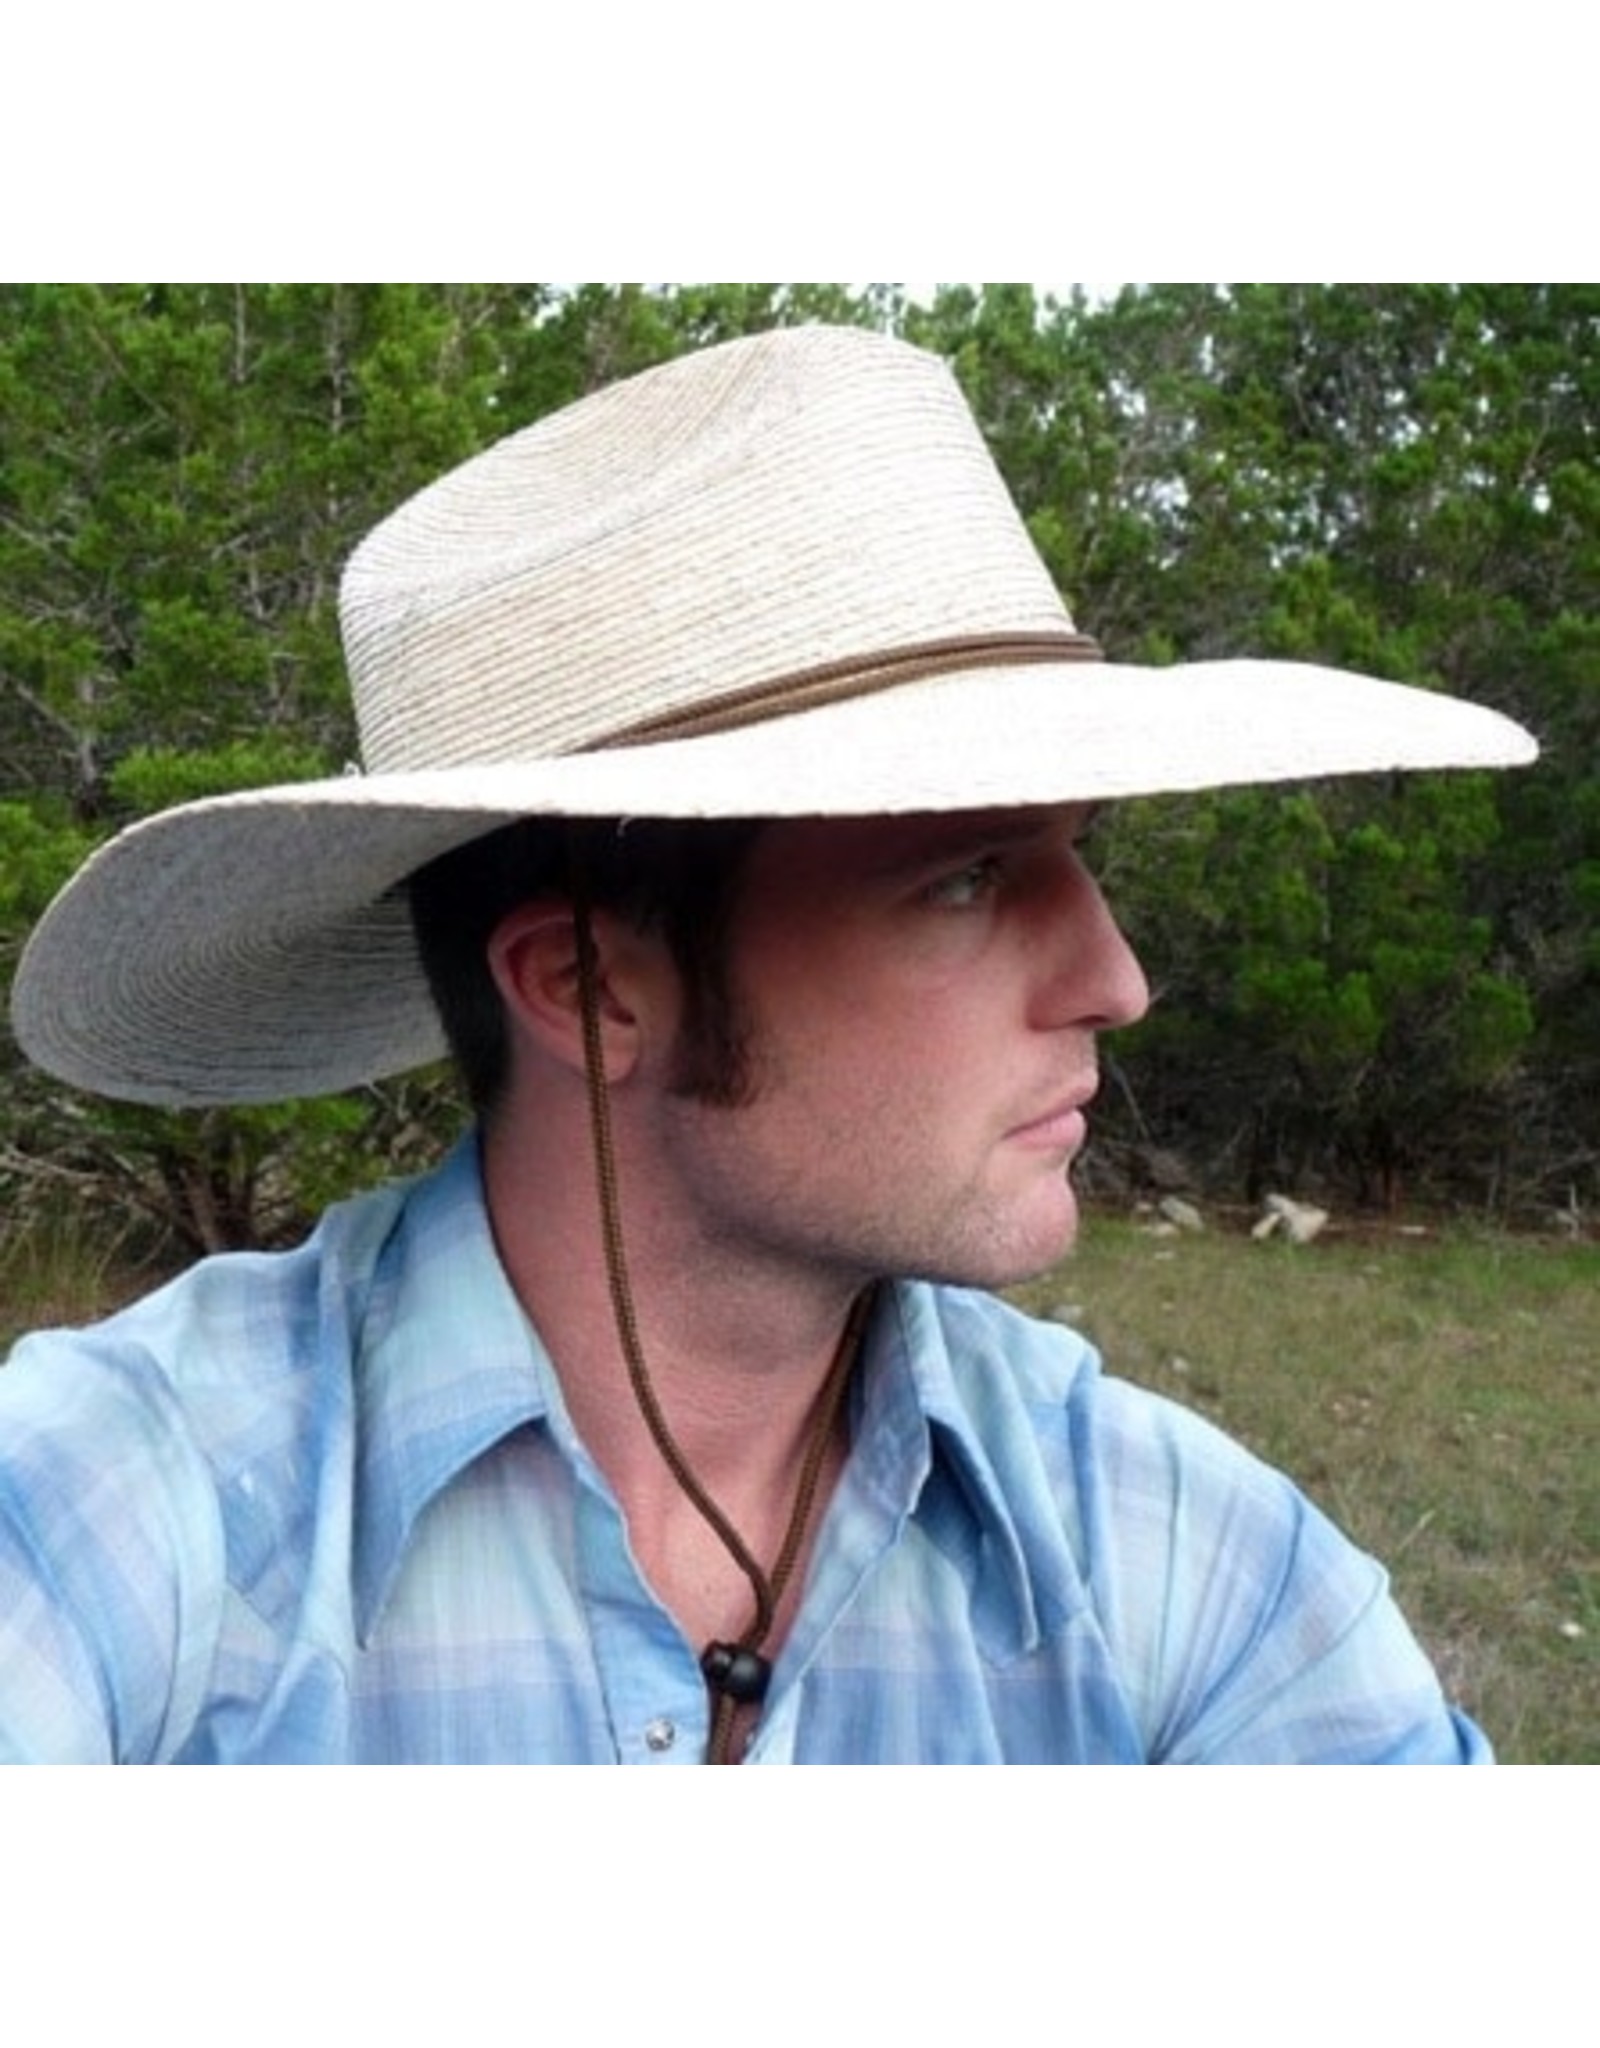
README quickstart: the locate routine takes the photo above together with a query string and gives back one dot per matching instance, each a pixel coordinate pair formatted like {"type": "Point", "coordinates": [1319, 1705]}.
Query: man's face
{"type": "Point", "coordinates": [919, 998]}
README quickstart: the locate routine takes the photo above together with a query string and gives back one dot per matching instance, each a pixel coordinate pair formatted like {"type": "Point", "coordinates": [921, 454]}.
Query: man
{"type": "Point", "coordinates": [729, 753]}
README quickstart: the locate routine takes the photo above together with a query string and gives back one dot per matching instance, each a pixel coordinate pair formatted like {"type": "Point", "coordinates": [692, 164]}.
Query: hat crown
{"type": "Point", "coordinates": [805, 501]}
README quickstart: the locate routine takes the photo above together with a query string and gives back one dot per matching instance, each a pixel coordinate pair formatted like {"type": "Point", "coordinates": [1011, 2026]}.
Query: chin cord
{"type": "Point", "coordinates": [737, 1673]}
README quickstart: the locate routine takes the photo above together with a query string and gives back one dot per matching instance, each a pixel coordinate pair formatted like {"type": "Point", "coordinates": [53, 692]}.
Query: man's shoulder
{"type": "Point", "coordinates": [1295, 1652]}
{"type": "Point", "coordinates": [220, 1342]}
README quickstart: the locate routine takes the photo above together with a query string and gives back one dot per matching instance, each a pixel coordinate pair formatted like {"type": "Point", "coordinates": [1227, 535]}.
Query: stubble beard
{"type": "Point", "coordinates": [723, 1071]}
{"type": "Point", "coordinates": [756, 1205]}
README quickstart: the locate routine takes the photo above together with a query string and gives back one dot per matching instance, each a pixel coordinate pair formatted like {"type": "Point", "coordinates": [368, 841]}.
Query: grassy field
{"type": "Point", "coordinates": [1436, 1395]}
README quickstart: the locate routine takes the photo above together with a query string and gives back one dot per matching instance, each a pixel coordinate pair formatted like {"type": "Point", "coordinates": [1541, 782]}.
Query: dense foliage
{"type": "Point", "coordinates": [1390, 990]}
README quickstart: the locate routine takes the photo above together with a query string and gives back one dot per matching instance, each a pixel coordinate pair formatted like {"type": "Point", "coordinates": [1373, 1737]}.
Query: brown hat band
{"type": "Point", "coordinates": [840, 679]}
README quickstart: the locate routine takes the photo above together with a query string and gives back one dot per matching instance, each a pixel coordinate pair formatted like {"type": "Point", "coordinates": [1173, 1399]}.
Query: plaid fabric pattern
{"type": "Point", "coordinates": [327, 1506]}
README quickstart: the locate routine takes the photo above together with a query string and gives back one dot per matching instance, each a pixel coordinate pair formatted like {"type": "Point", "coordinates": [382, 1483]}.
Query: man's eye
{"type": "Point", "coordinates": [966, 886]}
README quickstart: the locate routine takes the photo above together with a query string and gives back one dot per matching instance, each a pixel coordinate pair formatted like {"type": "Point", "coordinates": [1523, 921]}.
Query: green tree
{"type": "Point", "coordinates": [184, 470]}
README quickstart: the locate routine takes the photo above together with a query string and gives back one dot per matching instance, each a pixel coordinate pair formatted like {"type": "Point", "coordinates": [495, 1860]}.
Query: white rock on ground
{"type": "Point", "coordinates": [1298, 1221]}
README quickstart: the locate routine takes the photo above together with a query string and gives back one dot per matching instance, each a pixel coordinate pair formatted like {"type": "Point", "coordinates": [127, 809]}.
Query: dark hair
{"type": "Point", "coordinates": [675, 876]}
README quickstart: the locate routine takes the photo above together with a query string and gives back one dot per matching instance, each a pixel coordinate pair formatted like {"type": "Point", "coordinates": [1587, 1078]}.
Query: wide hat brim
{"type": "Point", "coordinates": [257, 947]}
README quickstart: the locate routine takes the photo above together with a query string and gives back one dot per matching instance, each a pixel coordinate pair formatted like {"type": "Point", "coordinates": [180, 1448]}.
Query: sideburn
{"type": "Point", "coordinates": [712, 1062]}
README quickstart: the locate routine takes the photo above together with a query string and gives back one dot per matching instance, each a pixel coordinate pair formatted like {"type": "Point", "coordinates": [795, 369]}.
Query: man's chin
{"type": "Point", "coordinates": [1008, 1263]}
{"type": "Point", "coordinates": [1049, 1243]}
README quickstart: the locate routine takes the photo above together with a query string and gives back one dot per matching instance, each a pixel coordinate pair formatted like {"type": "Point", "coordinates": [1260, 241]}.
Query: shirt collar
{"type": "Point", "coordinates": [447, 1365]}
{"type": "Point", "coordinates": [943, 1428]}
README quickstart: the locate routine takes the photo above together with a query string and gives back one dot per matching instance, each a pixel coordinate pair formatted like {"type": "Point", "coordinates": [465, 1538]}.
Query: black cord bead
{"type": "Point", "coordinates": [743, 1675]}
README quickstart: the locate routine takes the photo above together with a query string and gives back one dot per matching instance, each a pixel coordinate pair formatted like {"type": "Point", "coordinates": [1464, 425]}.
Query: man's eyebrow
{"type": "Point", "coordinates": [973, 833]}
{"type": "Point", "coordinates": [1020, 828]}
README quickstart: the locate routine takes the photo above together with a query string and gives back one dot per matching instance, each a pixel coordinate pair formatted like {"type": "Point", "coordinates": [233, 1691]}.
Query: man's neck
{"type": "Point", "coordinates": [737, 1354]}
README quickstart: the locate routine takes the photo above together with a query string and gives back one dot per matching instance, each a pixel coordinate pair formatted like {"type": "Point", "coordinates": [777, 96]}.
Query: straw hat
{"type": "Point", "coordinates": [781, 577]}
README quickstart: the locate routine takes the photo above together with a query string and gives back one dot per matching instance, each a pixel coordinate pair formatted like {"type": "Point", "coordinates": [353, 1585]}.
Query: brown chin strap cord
{"type": "Point", "coordinates": [737, 1673]}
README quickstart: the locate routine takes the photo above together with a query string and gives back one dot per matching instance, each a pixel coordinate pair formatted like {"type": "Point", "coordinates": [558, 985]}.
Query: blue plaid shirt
{"type": "Point", "coordinates": [328, 1506]}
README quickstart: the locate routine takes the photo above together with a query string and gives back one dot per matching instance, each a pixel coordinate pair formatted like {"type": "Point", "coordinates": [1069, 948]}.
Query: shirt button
{"type": "Point", "coordinates": [660, 1735]}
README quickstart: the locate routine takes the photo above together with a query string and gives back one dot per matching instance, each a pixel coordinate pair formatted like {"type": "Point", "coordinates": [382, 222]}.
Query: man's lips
{"type": "Point", "coordinates": [1062, 1128]}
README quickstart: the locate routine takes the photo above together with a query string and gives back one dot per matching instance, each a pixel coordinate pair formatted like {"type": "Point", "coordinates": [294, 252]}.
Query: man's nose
{"type": "Point", "coordinates": [1098, 982]}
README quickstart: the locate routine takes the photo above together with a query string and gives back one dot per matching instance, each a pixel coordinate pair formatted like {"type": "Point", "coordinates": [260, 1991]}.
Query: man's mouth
{"type": "Point", "coordinates": [1061, 1128]}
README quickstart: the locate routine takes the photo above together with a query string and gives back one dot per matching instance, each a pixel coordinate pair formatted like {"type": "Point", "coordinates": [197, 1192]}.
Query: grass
{"type": "Point", "coordinates": [55, 1270]}
{"type": "Point", "coordinates": [1437, 1398]}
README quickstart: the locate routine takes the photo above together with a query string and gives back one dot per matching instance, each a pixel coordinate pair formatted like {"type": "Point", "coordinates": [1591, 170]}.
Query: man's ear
{"type": "Point", "coordinates": [533, 956]}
